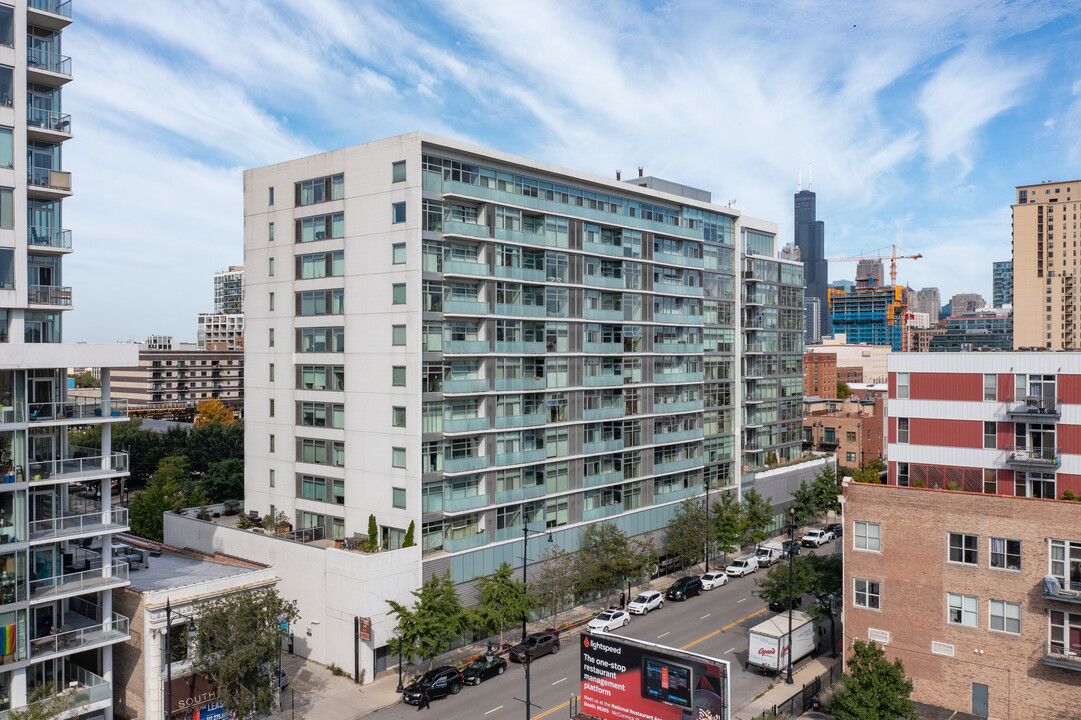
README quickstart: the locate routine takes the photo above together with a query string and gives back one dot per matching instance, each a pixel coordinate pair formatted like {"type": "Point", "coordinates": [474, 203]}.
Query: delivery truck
{"type": "Point", "coordinates": [768, 642]}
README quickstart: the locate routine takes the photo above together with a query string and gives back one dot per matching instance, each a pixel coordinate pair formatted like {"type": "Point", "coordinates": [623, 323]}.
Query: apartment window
{"type": "Point", "coordinates": [1005, 554]}
{"type": "Point", "coordinates": [397, 376]}
{"type": "Point", "coordinates": [319, 190]}
{"type": "Point", "coordinates": [902, 430]}
{"type": "Point", "coordinates": [397, 457]}
{"type": "Point", "coordinates": [271, 270]}
{"type": "Point", "coordinates": [990, 387]}
{"type": "Point", "coordinates": [7, 26]}
{"type": "Point", "coordinates": [270, 338]}
{"type": "Point", "coordinates": [271, 195]}
{"type": "Point", "coordinates": [270, 232]}
{"type": "Point", "coordinates": [271, 407]}
{"type": "Point", "coordinates": [868, 536]}
{"type": "Point", "coordinates": [271, 478]}
{"type": "Point", "coordinates": [7, 208]}
{"type": "Point", "coordinates": [398, 212]}
{"type": "Point", "coordinates": [271, 443]}
{"type": "Point", "coordinates": [990, 481]}
{"type": "Point", "coordinates": [398, 293]}
{"type": "Point", "coordinates": [271, 372]}
{"type": "Point", "coordinates": [850, 457]}
{"type": "Point", "coordinates": [868, 594]}
{"type": "Point", "coordinates": [1005, 616]}
{"type": "Point", "coordinates": [398, 253]}
{"type": "Point", "coordinates": [397, 417]}
{"type": "Point", "coordinates": [272, 302]}
{"type": "Point", "coordinates": [397, 174]}
{"type": "Point", "coordinates": [850, 436]}
{"type": "Point", "coordinates": [902, 385]}
{"type": "Point", "coordinates": [398, 500]}
{"type": "Point", "coordinates": [964, 549]}
{"type": "Point", "coordinates": [7, 147]}
{"type": "Point", "coordinates": [963, 610]}
{"type": "Point", "coordinates": [397, 335]}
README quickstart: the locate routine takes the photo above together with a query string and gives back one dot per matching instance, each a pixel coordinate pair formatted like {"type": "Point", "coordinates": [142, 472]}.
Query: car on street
{"type": "Point", "coordinates": [714, 578]}
{"type": "Point", "coordinates": [483, 668]}
{"type": "Point", "coordinates": [646, 601]}
{"type": "Point", "coordinates": [536, 644]}
{"type": "Point", "coordinates": [742, 566]}
{"type": "Point", "coordinates": [791, 547]}
{"type": "Point", "coordinates": [609, 620]}
{"type": "Point", "coordinates": [816, 538]}
{"type": "Point", "coordinates": [684, 588]}
{"type": "Point", "coordinates": [782, 605]}
{"type": "Point", "coordinates": [437, 683]}
{"type": "Point", "coordinates": [837, 529]}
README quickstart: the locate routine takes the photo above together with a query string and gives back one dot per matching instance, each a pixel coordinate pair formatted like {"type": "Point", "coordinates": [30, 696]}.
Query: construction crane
{"type": "Point", "coordinates": [893, 257]}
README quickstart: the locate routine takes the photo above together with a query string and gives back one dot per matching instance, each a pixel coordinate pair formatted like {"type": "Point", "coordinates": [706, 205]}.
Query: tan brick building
{"type": "Point", "coordinates": [852, 428]}
{"type": "Point", "coordinates": [952, 584]}
{"type": "Point", "coordinates": [182, 374]}
{"type": "Point", "coordinates": [820, 374]}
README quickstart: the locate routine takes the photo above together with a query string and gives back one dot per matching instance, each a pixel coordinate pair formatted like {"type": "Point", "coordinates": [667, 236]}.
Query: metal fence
{"type": "Point", "coordinates": [801, 701]}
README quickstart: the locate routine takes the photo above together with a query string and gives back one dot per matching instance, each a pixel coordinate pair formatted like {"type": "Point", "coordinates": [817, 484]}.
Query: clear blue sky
{"type": "Point", "coordinates": [919, 118]}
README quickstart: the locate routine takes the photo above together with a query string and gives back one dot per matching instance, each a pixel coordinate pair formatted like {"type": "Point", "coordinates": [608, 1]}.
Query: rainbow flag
{"type": "Point", "coordinates": [7, 639]}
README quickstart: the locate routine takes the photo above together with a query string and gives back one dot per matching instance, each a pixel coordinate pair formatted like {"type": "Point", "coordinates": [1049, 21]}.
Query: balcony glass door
{"type": "Point", "coordinates": [43, 563]}
{"type": "Point", "coordinates": [44, 505]}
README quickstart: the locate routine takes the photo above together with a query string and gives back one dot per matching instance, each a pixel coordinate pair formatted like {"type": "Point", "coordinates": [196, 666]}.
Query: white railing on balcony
{"type": "Point", "coordinates": [77, 410]}
{"type": "Point", "coordinates": [84, 688]}
{"type": "Point", "coordinates": [72, 524]}
{"type": "Point", "coordinates": [78, 466]}
{"type": "Point", "coordinates": [92, 633]}
{"type": "Point", "coordinates": [78, 582]}
{"type": "Point", "coordinates": [48, 119]}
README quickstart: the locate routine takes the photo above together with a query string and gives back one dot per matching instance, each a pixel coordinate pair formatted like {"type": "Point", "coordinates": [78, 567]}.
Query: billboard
{"type": "Point", "coordinates": [625, 679]}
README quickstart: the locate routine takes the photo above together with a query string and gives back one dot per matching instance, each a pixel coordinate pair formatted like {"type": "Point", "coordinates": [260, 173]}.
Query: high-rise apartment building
{"type": "Point", "coordinates": [469, 341]}
{"type": "Point", "coordinates": [1002, 283]}
{"type": "Point", "coordinates": [229, 291]}
{"type": "Point", "coordinates": [57, 518]}
{"type": "Point", "coordinates": [927, 300]}
{"type": "Point", "coordinates": [810, 235]}
{"type": "Point", "coordinates": [224, 328]}
{"type": "Point", "coordinates": [1044, 277]}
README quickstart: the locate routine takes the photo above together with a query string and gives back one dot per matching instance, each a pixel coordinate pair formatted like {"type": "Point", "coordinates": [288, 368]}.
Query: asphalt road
{"type": "Point", "coordinates": [714, 624]}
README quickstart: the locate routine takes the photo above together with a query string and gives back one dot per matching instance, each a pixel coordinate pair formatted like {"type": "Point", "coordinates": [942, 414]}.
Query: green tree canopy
{"type": "Point", "coordinates": [804, 504]}
{"type": "Point", "coordinates": [873, 688]}
{"type": "Point", "coordinates": [86, 380]}
{"type": "Point", "coordinates": [238, 643]}
{"type": "Point", "coordinates": [45, 702]}
{"type": "Point", "coordinates": [827, 490]}
{"type": "Point", "coordinates": [773, 587]}
{"type": "Point", "coordinates": [552, 577]}
{"type": "Point", "coordinates": [606, 557]}
{"type": "Point", "coordinates": [436, 618]}
{"type": "Point", "coordinates": [685, 535]}
{"type": "Point", "coordinates": [224, 480]}
{"type": "Point", "coordinates": [756, 516]}
{"type": "Point", "coordinates": [843, 391]}
{"type": "Point", "coordinates": [727, 521]}
{"type": "Point", "coordinates": [164, 493]}
{"type": "Point", "coordinates": [503, 600]}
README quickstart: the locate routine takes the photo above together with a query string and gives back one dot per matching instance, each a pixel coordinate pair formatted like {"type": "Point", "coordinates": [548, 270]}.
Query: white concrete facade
{"type": "Point", "coordinates": [872, 358]}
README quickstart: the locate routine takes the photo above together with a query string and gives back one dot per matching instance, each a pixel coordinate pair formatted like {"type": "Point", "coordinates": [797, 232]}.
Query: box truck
{"type": "Point", "coordinates": [768, 642]}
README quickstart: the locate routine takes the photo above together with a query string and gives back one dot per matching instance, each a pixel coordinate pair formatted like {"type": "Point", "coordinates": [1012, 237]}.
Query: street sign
{"type": "Point", "coordinates": [365, 632]}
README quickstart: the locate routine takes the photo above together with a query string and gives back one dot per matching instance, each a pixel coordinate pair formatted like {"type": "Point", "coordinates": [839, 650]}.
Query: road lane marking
{"type": "Point", "coordinates": [729, 625]}
{"type": "Point", "coordinates": [729, 650]}
{"type": "Point", "coordinates": [705, 616]}
{"type": "Point", "coordinates": [493, 710]}
{"type": "Point", "coordinates": [549, 712]}
{"type": "Point", "coordinates": [661, 635]}
{"type": "Point", "coordinates": [740, 600]}
{"type": "Point", "coordinates": [559, 681]}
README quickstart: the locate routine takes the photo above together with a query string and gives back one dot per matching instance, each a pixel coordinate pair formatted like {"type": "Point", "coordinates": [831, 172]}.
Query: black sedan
{"type": "Point", "coordinates": [437, 683]}
{"type": "Point", "coordinates": [483, 668]}
{"type": "Point", "coordinates": [782, 605]}
{"type": "Point", "coordinates": [791, 547]}
{"type": "Point", "coordinates": [537, 644]}
{"type": "Point", "coordinates": [836, 528]}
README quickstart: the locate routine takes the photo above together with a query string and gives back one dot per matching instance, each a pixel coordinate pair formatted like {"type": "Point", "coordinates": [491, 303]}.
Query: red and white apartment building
{"type": "Point", "coordinates": [966, 565]}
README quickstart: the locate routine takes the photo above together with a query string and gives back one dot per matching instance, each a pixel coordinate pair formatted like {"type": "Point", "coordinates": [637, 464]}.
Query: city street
{"type": "Point", "coordinates": [714, 624]}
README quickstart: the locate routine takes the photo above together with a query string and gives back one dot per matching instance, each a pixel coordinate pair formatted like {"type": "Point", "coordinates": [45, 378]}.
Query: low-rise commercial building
{"type": "Point", "coordinates": [852, 428]}
{"type": "Point", "coordinates": [872, 358]}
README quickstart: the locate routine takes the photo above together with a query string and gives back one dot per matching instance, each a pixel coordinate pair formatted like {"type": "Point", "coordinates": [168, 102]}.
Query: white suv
{"type": "Point", "coordinates": [742, 566]}
{"type": "Point", "coordinates": [646, 601]}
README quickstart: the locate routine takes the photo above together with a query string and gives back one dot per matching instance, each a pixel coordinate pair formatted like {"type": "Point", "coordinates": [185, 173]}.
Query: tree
{"type": "Point", "coordinates": [727, 524]}
{"type": "Point", "coordinates": [224, 480]}
{"type": "Point", "coordinates": [43, 703]}
{"type": "Point", "coordinates": [164, 493]}
{"type": "Point", "coordinates": [873, 688]}
{"type": "Point", "coordinates": [86, 380]}
{"type": "Point", "coordinates": [685, 535]}
{"type": "Point", "coordinates": [606, 557]}
{"type": "Point", "coordinates": [756, 516]}
{"type": "Point", "coordinates": [213, 411]}
{"type": "Point", "coordinates": [827, 490]}
{"type": "Point", "coordinates": [408, 540]}
{"type": "Point", "coordinates": [239, 643]}
{"type": "Point", "coordinates": [210, 443]}
{"type": "Point", "coordinates": [503, 600]}
{"type": "Point", "coordinates": [552, 578]}
{"type": "Point", "coordinates": [804, 504]}
{"type": "Point", "coordinates": [826, 584]}
{"type": "Point", "coordinates": [870, 473]}
{"type": "Point", "coordinates": [843, 391]}
{"type": "Point", "coordinates": [372, 543]}
{"type": "Point", "coordinates": [774, 586]}
{"type": "Point", "coordinates": [436, 618]}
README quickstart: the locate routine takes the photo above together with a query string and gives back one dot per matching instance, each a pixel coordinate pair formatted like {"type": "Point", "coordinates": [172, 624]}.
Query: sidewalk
{"type": "Point", "coordinates": [780, 692]}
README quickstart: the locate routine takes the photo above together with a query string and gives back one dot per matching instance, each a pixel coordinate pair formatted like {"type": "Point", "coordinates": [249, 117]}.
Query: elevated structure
{"type": "Point", "coordinates": [875, 316]}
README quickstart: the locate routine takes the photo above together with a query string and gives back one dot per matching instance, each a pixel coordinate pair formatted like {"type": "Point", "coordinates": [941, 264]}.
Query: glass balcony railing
{"type": "Point", "coordinates": [77, 410]}
{"type": "Point", "coordinates": [84, 631]}
{"type": "Point", "coordinates": [74, 467]}
{"type": "Point", "coordinates": [87, 518]}
{"type": "Point", "coordinates": [46, 60]}
{"type": "Point", "coordinates": [48, 119]}
{"type": "Point", "coordinates": [48, 178]}
{"type": "Point", "coordinates": [457, 544]}
{"type": "Point", "coordinates": [49, 295]}
{"type": "Point", "coordinates": [87, 580]}
{"type": "Point", "coordinates": [49, 237]}
{"type": "Point", "coordinates": [83, 688]}
{"type": "Point", "coordinates": [56, 7]}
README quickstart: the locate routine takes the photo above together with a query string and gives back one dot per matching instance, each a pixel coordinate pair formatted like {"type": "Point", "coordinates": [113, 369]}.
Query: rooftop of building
{"type": "Point", "coordinates": [175, 569]}
{"type": "Point", "coordinates": [1043, 183]}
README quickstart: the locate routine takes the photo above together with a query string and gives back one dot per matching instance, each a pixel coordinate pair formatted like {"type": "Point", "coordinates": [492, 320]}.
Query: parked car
{"type": "Point", "coordinates": [782, 605]}
{"type": "Point", "coordinates": [686, 587]}
{"type": "Point", "coordinates": [483, 668]}
{"type": "Point", "coordinates": [609, 620]}
{"type": "Point", "coordinates": [816, 538]}
{"type": "Point", "coordinates": [791, 547]}
{"type": "Point", "coordinates": [837, 529]}
{"type": "Point", "coordinates": [538, 644]}
{"type": "Point", "coordinates": [714, 578]}
{"type": "Point", "coordinates": [742, 566]}
{"type": "Point", "coordinates": [440, 682]}
{"type": "Point", "coordinates": [646, 601]}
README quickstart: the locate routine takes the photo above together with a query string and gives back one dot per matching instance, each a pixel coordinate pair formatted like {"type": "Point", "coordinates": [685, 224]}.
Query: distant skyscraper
{"type": "Point", "coordinates": [870, 273]}
{"type": "Point", "coordinates": [810, 237]}
{"type": "Point", "coordinates": [1002, 278]}
{"type": "Point", "coordinates": [812, 320]}
{"type": "Point", "coordinates": [963, 303]}
{"type": "Point", "coordinates": [928, 300]}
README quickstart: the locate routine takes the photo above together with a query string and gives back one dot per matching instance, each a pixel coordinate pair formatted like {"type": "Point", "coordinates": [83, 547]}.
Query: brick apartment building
{"type": "Point", "coordinates": [952, 584]}
{"type": "Point", "coordinates": [820, 374]}
{"type": "Point", "coordinates": [946, 564]}
{"type": "Point", "coordinates": [852, 428]}
{"type": "Point", "coordinates": [182, 374]}
{"type": "Point", "coordinates": [849, 374]}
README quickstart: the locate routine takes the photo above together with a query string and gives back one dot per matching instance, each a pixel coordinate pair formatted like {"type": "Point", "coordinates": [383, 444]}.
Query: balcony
{"type": "Point", "coordinates": [47, 125]}
{"type": "Point", "coordinates": [79, 632]}
{"type": "Point", "coordinates": [516, 421]}
{"type": "Point", "coordinates": [603, 281]}
{"type": "Point", "coordinates": [514, 273]}
{"type": "Point", "coordinates": [533, 347]}
{"type": "Point", "coordinates": [462, 267]}
{"type": "Point", "coordinates": [677, 319]}
{"type": "Point", "coordinates": [603, 413]}
{"type": "Point", "coordinates": [1033, 406]}
{"type": "Point", "coordinates": [465, 229]}
{"type": "Point", "coordinates": [677, 407]}
{"type": "Point", "coordinates": [684, 377]}
{"type": "Point", "coordinates": [50, 295]}
{"type": "Point", "coordinates": [466, 542]}
{"type": "Point", "coordinates": [48, 184]}
{"type": "Point", "coordinates": [58, 586]}
{"type": "Point", "coordinates": [603, 315]}
{"type": "Point", "coordinates": [519, 458]}
{"type": "Point", "coordinates": [603, 249]}
{"type": "Point", "coordinates": [1045, 457]}
{"type": "Point", "coordinates": [45, 67]}
{"type": "Point", "coordinates": [464, 504]}
{"type": "Point", "coordinates": [78, 521]}
{"type": "Point", "coordinates": [83, 688]}
{"type": "Point", "coordinates": [84, 467]}
{"type": "Point", "coordinates": [602, 380]}
{"type": "Point", "coordinates": [520, 310]}
{"type": "Point", "coordinates": [1058, 655]}
{"type": "Point", "coordinates": [1063, 591]}
{"type": "Point", "coordinates": [674, 289]}
{"type": "Point", "coordinates": [602, 479]}
{"type": "Point", "coordinates": [681, 260]}
{"type": "Point", "coordinates": [525, 383]}
{"type": "Point", "coordinates": [679, 436]}
{"type": "Point", "coordinates": [466, 464]}
{"type": "Point", "coordinates": [465, 307]}
{"type": "Point", "coordinates": [602, 348]}
{"type": "Point", "coordinates": [465, 347]}
{"type": "Point", "coordinates": [525, 238]}
{"type": "Point", "coordinates": [475, 424]}
{"type": "Point", "coordinates": [51, 14]}
{"type": "Point", "coordinates": [47, 238]}
{"type": "Point", "coordinates": [474, 385]}
{"type": "Point", "coordinates": [602, 512]}
{"type": "Point", "coordinates": [676, 465]}
{"type": "Point", "coordinates": [47, 412]}
{"type": "Point", "coordinates": [602, 446]}
{"type": "Point", "coordinates": [517, 495]}
{"type": "Point", "coordinates": [681, 494]}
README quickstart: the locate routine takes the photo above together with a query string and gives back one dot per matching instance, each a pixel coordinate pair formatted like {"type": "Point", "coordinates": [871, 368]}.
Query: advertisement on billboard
{"type": "Point", "coordinates": [625, 679]}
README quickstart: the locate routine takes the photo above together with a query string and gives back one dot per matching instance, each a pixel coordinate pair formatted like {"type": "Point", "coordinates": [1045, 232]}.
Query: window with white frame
{"type": "Point", "coordinates": [902, 385]}
{"type": "Point", "coordinates": [902, 474]}
{"type": "Point", "coordinates": [990, 435]}
{"type": "Point", "coordinates": [964, 548]}
{"type": "Point", "coordinates": [868, 594]}
{"type": "Point", "coordinates": [1005, 616]}
{"type": "Point", "coordinates": [902, 430]}
{"type": "Point", "coordinates": [990, 387]}
{"type": "Point", "coordinates": [867, 536]}
{"type": "Point", "coordinates": [1005, 554]}
{"type": "Point", "coordinates": [963, 610]}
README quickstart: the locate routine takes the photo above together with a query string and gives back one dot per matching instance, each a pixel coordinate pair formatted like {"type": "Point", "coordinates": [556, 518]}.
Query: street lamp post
{"type": "Point", "coordinates": [707, 525]}
{"type": "Point", "coordinates": [400, 686]}
{"type": "Point", "coordinates": [525, 565]}
{"type": "Point", "coordinates": [169, 612]}
{"type": "Point", "coordinates": [791, 536]}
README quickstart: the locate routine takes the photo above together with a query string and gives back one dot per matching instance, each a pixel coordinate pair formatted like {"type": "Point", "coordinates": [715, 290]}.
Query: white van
{"type": "Point", "coordinates": [742, 566]}
{"type": "Point", "coordinates": [768, 553]}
